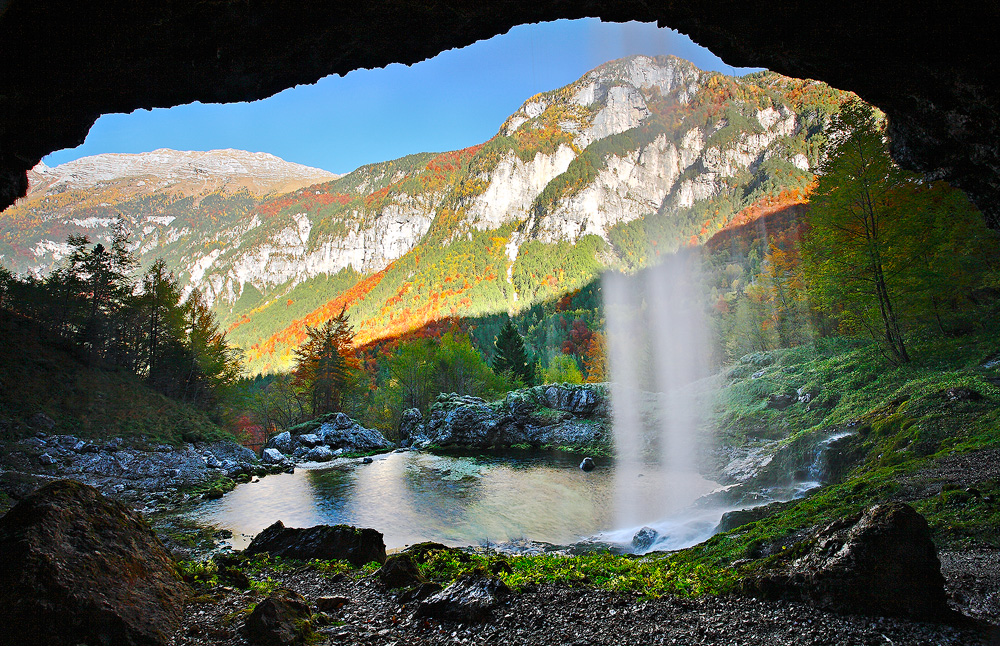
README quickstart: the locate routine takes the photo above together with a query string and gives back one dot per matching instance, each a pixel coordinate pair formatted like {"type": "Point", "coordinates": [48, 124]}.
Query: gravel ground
{"type": "Point", "coordinates": [963, 469]}
{"type": "Point", "coordinates": [972, 580]}
{"type": "Point", "coordinates": [552, 615]}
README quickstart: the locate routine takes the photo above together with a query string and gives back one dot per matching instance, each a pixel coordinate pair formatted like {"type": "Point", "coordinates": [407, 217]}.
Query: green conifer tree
{"type": "Point", "coordinates": [512, 356]}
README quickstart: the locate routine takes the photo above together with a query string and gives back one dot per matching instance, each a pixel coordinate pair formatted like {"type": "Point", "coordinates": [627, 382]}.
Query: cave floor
{"type": "Point", "coordinates": [579, 616]}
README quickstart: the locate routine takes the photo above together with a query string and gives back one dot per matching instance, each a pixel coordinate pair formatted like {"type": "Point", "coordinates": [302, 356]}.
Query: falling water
{"type": "Point", "coordinates": [657, 350]}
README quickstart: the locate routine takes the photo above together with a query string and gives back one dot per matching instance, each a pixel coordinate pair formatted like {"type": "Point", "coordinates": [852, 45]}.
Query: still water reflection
{"type": "Point", "coordinates": [454, 499]}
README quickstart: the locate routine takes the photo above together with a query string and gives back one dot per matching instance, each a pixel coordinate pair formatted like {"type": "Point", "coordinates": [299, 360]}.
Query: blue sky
{"type": "Point", "coordinates": [456, 99]}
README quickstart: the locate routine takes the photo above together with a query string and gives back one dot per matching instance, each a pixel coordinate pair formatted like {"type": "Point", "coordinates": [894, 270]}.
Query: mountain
{"type": "Point", "coordinates": [637, 158]}
{"type": "Point", "coordinates": [170, 200]}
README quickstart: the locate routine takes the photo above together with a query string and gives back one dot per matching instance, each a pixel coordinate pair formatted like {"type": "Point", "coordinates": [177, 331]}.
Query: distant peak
{"type": "Point", "coordinates": [188, 170]}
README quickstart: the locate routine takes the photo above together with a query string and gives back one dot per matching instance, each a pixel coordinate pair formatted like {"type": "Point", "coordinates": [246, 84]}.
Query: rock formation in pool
{"type": "Point", "coordinates": [560, 415]}
{"type": "Point", "coordinates": [323, 439]}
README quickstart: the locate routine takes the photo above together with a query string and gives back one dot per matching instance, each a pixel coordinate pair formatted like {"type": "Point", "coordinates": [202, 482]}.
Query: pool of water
{"type": "Point", "coordinates": [462, 499]}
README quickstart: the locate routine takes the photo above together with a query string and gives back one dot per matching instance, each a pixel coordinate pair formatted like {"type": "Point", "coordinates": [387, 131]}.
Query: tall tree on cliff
{"type": "Point", "coordinates": [325, 363]}
{"type": "Point", "coordinates": [512, 356]}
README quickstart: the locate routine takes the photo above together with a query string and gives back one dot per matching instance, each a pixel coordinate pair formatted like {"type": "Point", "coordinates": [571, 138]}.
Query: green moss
{"type": "Point", "coordinates": [651, 576]}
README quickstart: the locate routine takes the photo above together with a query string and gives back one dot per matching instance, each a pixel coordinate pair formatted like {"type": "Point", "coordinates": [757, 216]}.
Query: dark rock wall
{"type": "Point", "coordinates": [65, 63]}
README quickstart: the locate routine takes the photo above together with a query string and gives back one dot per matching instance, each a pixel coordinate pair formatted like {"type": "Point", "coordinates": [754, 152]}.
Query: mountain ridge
{"type": "Point", "coordinates": [636, 158]}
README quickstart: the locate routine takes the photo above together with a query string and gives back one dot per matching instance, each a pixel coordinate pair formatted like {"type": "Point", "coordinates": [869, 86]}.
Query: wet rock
{"type": "Point", "coordinates": [739, 517]}
{"type": "Point", "coordinates": [79, 568]}
{"type": "Point", "coordinates": [282, 441]}
{"type": "Point", "coordinates": [644, 539]}
{"type": "Point", "coordinates": [881, 563]}
{"type": "Point", "coordinates": [46, 459]}
{"type": "Point", "coordinates": [283, 619]}
{"type": "Point", "coordinates": [358, 546]}
{"type": "Point", "coordinates": [338, 431]}
{"type": "Point", "coordinates": [471, 598]}
{"type": "Point", "coordinates": [463, 420]}
{"type": "Point", "coordinates": [366, 460]}
{"type": "Point", "coordinates": [399, 571]}
{"type": "Point", "coordinates": [341, 421]}
{"type": "Point", "coordinates": [537, 416]}
{"type": "Point", "coordinates": [410, 423]}
{"type": "Point", "coordinates": [421, 592]}
{"type": "Point", "coordinates": [579, 400]}
{"type": "Point", "coordinates": [588, 464]}
{"type": "Point", "coordinates": [319, 454]}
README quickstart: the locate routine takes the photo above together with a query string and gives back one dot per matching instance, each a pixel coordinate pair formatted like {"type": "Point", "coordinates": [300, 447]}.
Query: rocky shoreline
{"type": "Point", "coordinates": [150, 477]}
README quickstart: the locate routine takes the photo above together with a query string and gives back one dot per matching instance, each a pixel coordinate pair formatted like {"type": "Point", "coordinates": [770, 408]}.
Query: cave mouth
{"type": "Point", "coordinates": [456, 99]}
{"type": "Point", "coordinates": [67, 63]}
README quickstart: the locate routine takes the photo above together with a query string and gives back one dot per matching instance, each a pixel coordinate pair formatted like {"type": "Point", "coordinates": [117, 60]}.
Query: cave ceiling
{"type": "Point", "coordinates": [928, 65]}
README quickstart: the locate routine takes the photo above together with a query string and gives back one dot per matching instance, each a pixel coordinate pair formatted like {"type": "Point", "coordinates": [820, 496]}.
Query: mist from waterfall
{"type": "Point", "coordinates": [658, 340]}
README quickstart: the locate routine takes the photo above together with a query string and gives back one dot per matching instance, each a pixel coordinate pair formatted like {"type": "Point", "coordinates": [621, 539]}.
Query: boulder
{"type": "Point", "coordinates": [739, 517]}
{"type": "Point", "coordinates": [399, 571]}
{"type": "Point", "coordinates": [588, 464]}
{"type": "Point", "coordinates": [462, 420]}
{"type": "Point", "coordinates": [331, 603]}
{"type": "Point", "coordinates": [282, 619]}
{"type": "Point", "coordinates": [524, 417]}
{"type": "Point", "coordinates": [882, 562]}
{"type": "Point", "coordinates": [341, 421]}
{"type": "Point", "coordinates": [343, 542]}
{"type": "Point", "coordinates": [282, 441]}
{"type": "Point", "coordinates": [644, 539]}
{"type": "Point", "coordinates": [350, 436]}
{"type": "Point", "coordinates": [471, 598]}
{"type": "Point", "coordinates": [309, 439]}
{"type": "Point", "coordinates": [319, 454]}
{"type": "Point", "coordinates": [78, 568]}
{"type": "Point", "coordinates": [272, 456]}
{"type": "Point", "coordinates": [410, 423]}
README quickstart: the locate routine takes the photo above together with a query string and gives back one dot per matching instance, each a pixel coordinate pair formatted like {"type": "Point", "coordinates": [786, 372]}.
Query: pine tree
{"type": "Point", "coordinates": [215, 365]}
{"type": "Point", "coordinates": [512, 356]}
{"type": "Point", "coordinates": [325, 363]}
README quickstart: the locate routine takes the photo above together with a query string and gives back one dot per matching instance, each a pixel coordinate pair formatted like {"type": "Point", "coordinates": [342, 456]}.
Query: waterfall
{"type": "Point", "coordinates": [658, 343]}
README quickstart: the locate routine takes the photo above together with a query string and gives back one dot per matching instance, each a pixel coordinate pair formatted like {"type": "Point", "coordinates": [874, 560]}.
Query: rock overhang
{"type": "Point", "coordinates": [927, 65]}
